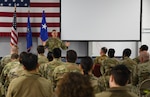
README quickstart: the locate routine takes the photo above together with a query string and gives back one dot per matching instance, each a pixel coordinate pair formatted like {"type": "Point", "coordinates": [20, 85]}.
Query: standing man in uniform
{"type": "Point", "coordinates": [55, 42]}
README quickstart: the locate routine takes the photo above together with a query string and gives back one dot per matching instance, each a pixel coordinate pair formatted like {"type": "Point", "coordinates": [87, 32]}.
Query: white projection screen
{"type": "Point", "coordinates": [101, 20]}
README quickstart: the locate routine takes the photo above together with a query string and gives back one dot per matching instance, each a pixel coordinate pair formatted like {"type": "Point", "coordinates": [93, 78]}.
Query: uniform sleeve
{"type": "Point", "coordinates": [63, 46]}
{"type": "Point", "coordinates": [9, 92]}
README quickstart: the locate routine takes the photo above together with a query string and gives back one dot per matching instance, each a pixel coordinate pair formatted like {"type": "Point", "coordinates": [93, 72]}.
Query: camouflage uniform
{"type": "Point", "coordinates": [52, 43]}
{"type": "Point", "coordinates": [107, 65]}
{"type": "Point", "coordinates": [6, 59]}
{"type": "Point", "coordinates": [103, 82]}
{"type": "Point", "coordinates": [137, 59]}
{"type": "Point", "coordinates": [95, 83]}
{"type": "Point", "coordinates": [100, 59]}
{"type": "Point", "coordinates": [42, 59]}
{"type": "Point", "coordinates": [143, 72]}
{"type": "Point", "coordinates": [61, 70]}
{"type": "Point", "coordinates": [4, 74]}
{"type": "Point", "coordinates": [131, 65]}
{"type": "Point", "coordinates": [47, 69]}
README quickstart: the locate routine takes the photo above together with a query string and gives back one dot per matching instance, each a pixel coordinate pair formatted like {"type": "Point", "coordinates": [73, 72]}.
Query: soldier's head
{"type": "Point", "coordinates": [126, 52]}
{"type": "Point", "coordinates": [71, 56]}
{"type": "Point", "coordinates": [14, 56]}
{"type": "Point", "coordinates": [103, 51]}
{"type": "Point", "coordinates": [144, 56]}
{"type": "Point", "coordinates": [29, 61]}
{"type": "Point", "coordinates": [143, 48]}
{"type": "Point", "coordinates": [74, 84]}
{"type": "Point", "coordinates": [111, 53]}
{"type": "Point", "coordinates": [54, 33]}
{"type": "Point", "coordinates": [120, 76]}
{"type": "Point", "coordinates": [86, 65]}
{"type": "Point", "coordinates": [40, 49]}
{"type": "Point", "coordinates": [56, 52]}
{"type": "Point", "coordinates": [49, 56]}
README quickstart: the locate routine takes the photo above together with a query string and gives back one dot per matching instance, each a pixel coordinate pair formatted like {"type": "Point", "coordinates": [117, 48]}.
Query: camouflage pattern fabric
{"type": "Point", "coordinates": [107, 65]}
{"type": "Point", "coordinates": [142, 73]}
{"type": "Point", "coordinates": [131, 65]}
{"type": "Point", "coordinates": [100, 59]}
{"type": "Point", "coordinates": [52, 43]}
{"type": "Point", "coordinates": [42, 59]}
{"type": "Point", "coordinates": [4, 75]}
{"type": "Point", "coordinates": [137, 59]}
{"type": "Point", "coordinates": [103, 82]}
{"type": "Point", "coordinates": [47, 69]}
{"type": "Point", "coordinates": [61, 70]}
{"type": "Point", "coordinates": [6, 59]}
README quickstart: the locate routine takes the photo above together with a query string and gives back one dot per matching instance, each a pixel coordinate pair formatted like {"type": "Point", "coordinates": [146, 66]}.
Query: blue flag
{"type": "Point", "coordinates": [43, 32]}
{"type": "Point", "coordinates": [29, 35]}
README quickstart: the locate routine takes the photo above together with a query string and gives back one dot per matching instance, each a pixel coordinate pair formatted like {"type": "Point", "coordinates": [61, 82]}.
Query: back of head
{"type": "Point", "coordinates": [49, 56]}
{"type": "Point", "coordinates": [74, 84]}
{"type": "Point", "coordinates": [30, 61]}
{"type": "Point", "coordinates": [71, 56]}
{"type": "Point", "coordinates": [121, 75]}
{"type": "Point", "coordinates": [144, 48]}
{"type": "Point", "coordinates": [126, 52]}
{"type": "Point", "coordinates": [56, 52]}
{"type": "Point", "coordinates": [86, 64]}
{"type": "Point", "coordinates": [111, 53]}
{"type": "Point", "coordinates": [104, 50]}
{"type": "Point", "coordinates": [14, 56]}
{"type": "Point", "coordinates": [40, 49]}
{"type": "Point", "coordinates": [144, 56]}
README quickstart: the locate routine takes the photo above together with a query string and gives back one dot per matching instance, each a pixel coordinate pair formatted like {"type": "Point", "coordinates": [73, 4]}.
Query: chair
{"type": "Point", "coordinates": [144, 88]}
{"type": "Point", "coordinates": [96, 70]}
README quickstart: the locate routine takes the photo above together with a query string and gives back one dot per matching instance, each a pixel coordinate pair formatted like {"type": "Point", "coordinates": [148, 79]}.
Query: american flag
{"type": "Point", "coordinates": [52, 12]}
{"type": "Point", "coordinates": [14, 33]}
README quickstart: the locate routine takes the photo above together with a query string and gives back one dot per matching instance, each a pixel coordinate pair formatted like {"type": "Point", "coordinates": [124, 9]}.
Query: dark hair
{"type": "Point", "coordinates": [21, 56]}
{"type": "Point", "coordinates": [126, 52]}
{"type": "Point", "coordinates": [121, 74]}
{"type": "Point", "coordinates": [104, 49]}
{"type": "Point", "coordinates": [71, 56]}
{"type": "Point", "coordinates": [56, 53]}
{"type": "Point", "coordinates": [49, 56]}
{"type": "Point", "coordinates": [40, 49]}
{"type": "Point", "coordinates": [111, 53]}
{"type": "Point", "coordinates": [53, 30]}
{"type": "Point", "coordinates": [74, 84]}
{"type": "Point", "coordinates": [86, 64]}
{"type": "Point", "coordinates": [14, 56]}
{"type": "Point", "coordinates": [30, 61]}
{"type": "Point", "coordinates": [144, 48]}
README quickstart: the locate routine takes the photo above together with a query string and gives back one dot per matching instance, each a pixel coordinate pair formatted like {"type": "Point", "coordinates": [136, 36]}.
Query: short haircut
{"type": "Point", "coordinates": [71, 56]}
{"type": "Point", "coordinates": [104, 49]}
{"type": "Point", "coordinates": [144, 48]}
{"type": "Point", "coordinates": [49, 56]}
{"type": "Point", "coordinates": [53, 30]}
{"type": "Point", "coordinates": [56, 52]}
{"type": "Point", "coordinates": [30, 61]}
{"type": "Point", "coordinates": [127, 52]}
{"type": "Point", "coordinates": [40, 49]}
{"type": "Point", "coordinates": [86, 64]}
{"type": "Point", "coordinates": [14, 56]}
{"type": "Point", "coordinates": [121, 74]}
{"type": "Point", "coordinates": [111, 53]}
{"type": "Point", "coordinates": [74, 84]}
{"type": "Point", "coordinates": [21, 56]}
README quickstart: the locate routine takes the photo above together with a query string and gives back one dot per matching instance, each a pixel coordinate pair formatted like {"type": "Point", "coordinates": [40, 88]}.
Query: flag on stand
{"type": "Point", "coordinates": [43, 32]}
{"type": "Point", "coordinates": [51, 7]}
{"type": "Point", "coordinates": [14, 33]}
{"type": "Point", "coordinates": [29, 35]}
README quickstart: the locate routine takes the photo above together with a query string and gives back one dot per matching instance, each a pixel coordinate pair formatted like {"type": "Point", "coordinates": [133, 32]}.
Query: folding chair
{"type": "Point", "coordinates": [144, 88]}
